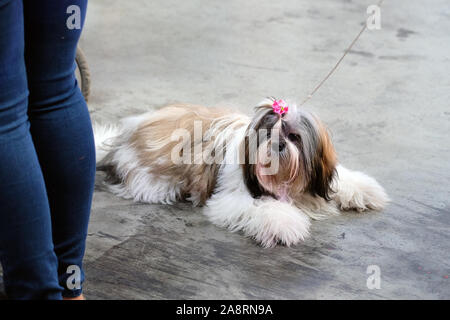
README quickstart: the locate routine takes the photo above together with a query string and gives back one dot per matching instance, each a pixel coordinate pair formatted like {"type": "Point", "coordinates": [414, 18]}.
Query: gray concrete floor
{"type": "Point", "coordinates": [387, 107]}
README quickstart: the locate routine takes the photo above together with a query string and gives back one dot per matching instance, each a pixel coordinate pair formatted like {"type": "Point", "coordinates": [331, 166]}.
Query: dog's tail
{"type": "Point", "coordinates": [104, 138]}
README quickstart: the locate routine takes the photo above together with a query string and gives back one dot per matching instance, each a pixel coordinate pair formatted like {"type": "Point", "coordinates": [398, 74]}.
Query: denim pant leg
{"type": "Point", "coordinates": [61, 128]}
{"type": "Point", "coordinates": [26, 249]}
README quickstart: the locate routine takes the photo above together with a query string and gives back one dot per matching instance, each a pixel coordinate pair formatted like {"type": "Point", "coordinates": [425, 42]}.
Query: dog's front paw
{"type": "Point", "coordinates": [358, 191]}
{"type": "Point", "coordinates": [275, 222]}
{"type": "Point", "coordinates": [266, 220]}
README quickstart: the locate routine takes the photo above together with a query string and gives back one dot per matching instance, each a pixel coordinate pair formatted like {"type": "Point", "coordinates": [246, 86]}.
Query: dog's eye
{"type": "Point", "coordinates": [294, 137]}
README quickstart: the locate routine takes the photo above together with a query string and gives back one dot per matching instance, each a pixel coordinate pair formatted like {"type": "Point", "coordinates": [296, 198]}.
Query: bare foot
{"type": "Point", "coordinates": [80, 297]}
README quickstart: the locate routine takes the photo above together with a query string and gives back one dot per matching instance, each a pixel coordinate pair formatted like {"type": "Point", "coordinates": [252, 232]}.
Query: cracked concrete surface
{"type": "Point", "coordinates": [387, 107]}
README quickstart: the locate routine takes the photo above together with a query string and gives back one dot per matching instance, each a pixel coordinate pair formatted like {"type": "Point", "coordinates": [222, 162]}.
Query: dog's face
{"type": "Point", "coordinates": [292, 154]}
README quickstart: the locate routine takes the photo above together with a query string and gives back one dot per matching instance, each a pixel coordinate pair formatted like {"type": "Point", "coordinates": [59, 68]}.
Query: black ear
{"type": "Point", "coordinates": [264, 119]}
{"type": "Point", "coordinates": [323, 168]}
{"type": "Point", "coordinates": [251, 181]}
{"type": "Point", "coordinates": [249, 172]}
{"type": "Point", "coordinates": [320, 183]}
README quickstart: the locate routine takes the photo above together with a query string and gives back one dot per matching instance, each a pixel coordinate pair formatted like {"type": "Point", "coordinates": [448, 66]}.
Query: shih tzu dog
{"type": "Point", "coordinates": [266, 176]}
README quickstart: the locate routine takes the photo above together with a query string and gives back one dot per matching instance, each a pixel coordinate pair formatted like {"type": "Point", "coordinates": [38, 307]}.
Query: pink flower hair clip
{"type": "Point", "coordinates": [280, 106]}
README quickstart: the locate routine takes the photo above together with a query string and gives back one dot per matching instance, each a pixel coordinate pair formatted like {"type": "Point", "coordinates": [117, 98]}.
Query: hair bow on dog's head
{"type": "Point", "coordinates": [280, 106]}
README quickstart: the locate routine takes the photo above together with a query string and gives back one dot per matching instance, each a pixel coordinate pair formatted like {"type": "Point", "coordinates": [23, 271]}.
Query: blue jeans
{"type": "Point", "coordinates": [47, 153]}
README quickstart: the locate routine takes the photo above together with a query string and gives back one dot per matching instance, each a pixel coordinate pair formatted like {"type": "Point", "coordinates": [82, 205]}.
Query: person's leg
{"type": "Point", "coordinates": [60, 126]}
{"type": "Point", "coordinates": [26, 249]}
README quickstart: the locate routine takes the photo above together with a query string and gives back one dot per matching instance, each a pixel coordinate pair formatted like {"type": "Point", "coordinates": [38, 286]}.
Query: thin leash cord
{"type": "Point", "coordinates": [339, 61]}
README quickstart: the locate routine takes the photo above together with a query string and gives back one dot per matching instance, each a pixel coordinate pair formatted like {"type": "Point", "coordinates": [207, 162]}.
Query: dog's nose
{"type": "Point", "coordinates": [281, 146]}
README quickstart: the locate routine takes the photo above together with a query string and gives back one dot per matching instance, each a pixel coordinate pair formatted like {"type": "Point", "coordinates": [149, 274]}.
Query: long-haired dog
{"type": "Point", "coordinates": [266, 176]}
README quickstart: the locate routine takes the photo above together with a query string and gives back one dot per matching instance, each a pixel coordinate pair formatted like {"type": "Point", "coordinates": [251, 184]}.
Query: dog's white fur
{"type": "Point", "coordinates": [266, 219]}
